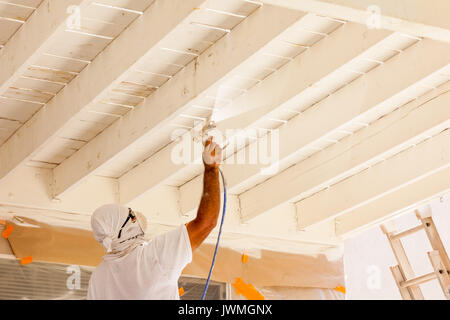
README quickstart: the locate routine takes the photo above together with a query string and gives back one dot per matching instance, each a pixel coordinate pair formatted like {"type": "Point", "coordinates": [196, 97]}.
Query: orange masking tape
{"type": "Point", "coordinates": [181, 291]}
{"type": "Point", "coordinates": [239, 286]}
{"type": "Point", "coordinates": [340, 289]}
{"type": "Point", "coordinates": [244, 258]}
{"type": "Point", "coordinates": [9, 229]}
{"type": "Point", "coordinates": [247, 290]}
{"type": "Point", "coordinates": [26, 260]}
{"type": "Point", "coordinates": [252, 293]}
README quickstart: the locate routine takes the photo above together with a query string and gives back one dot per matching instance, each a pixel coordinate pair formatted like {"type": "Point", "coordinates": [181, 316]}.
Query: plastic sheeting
{"type": "Point", "coordinates": [294, 293]}
{"type": "Point", "coordinates": [267, 270]}
{"type": "Point", "coordinates": [54, 244]}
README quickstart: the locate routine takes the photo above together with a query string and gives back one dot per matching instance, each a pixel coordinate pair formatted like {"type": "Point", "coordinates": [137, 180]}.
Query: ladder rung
{"type": "Point", "coordinates": [418, 280]}
{"type": "Point", "coordinates": [406, 233]}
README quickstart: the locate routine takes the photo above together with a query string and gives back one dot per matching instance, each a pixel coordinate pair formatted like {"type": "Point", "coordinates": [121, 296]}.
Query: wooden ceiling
{"type": "Point", "coordinates": [91, 93]}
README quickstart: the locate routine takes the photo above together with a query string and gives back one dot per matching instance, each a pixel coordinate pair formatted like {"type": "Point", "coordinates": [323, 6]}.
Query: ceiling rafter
{"type": "Point", "coordinates": [402, 200]}
{"type": "Point", "coordinates": [197, 79]}
{"type": "Point", "coordinates": [310, 67]}
{"type": "Point", "coordinates": [418, 119]}
{"type": "Point", "coordinates": [427, 158]}
{"type": "Point", "coordinates": [366, 95]}
{"type": "Point", "coordinates": [414, 17]}
{"type": "Point", "coordinates": [33, 39]}
{"type": "Point", "coordinates": [103, 74]}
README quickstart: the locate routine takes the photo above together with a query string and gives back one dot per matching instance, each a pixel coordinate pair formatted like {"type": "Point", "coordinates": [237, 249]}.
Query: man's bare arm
{"type": "Point", "coordinates": [208, 211]}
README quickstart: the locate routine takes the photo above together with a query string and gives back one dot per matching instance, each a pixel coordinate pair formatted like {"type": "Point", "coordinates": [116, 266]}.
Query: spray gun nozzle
{"type": "Point", "coordinates": [209, 126]}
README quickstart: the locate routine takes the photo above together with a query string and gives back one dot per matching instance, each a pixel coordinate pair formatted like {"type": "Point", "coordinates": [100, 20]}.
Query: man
{"type": "Point", "coordinates": [135, 269]}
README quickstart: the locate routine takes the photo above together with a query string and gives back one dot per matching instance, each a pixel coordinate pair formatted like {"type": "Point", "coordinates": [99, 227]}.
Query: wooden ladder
{"type": "Point", "coordinates": [404, 276]}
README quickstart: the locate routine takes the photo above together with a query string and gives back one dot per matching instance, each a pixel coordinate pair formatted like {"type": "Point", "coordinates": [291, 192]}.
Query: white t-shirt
{"type": "Point", "coordinates": [149, 272]}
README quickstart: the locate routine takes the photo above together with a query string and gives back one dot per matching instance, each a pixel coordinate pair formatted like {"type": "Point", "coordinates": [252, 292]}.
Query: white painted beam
{"type": "Point", "coordinates": [107, 70]}
{"type": "Point", "coordinates": [74, 209]}
{"type": "Point", "coordinates": [427, 158]}
{"type": "Point", "coordinates": [161, 207]}
{"type": "Point", "coordinates": [346, 43]}
{"type": "Point", "coordinates": [417, 119]}
{"type": "Point", "coordinates": [36, 194]}
{"type": "Point", "coordinates": [33, 38]}
{"type": "Point", "coordinates": [29, 187]}
{"type": "Point", "coordinates": [405, 199]}
{"type": "Point", "coordinates": [200, 77]}
{"type": "Point", "coordinates": [360, 97]}
{"type": "Point", "coordinates": [417, 17]}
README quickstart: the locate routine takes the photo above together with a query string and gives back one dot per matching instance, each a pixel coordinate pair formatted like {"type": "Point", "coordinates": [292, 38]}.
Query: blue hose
{"type": "Point", "coordinates": [218, 237]}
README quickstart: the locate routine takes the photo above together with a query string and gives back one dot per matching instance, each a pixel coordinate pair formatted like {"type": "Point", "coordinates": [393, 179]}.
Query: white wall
{"type": "Point", "coordinates": [368, 256]}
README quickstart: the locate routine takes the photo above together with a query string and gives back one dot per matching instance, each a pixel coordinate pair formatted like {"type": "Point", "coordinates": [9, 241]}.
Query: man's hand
{"type": "Point", "coordinates": [212, 155]}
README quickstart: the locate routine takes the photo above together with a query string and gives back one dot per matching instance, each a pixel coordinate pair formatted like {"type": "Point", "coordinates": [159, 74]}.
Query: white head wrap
{"type": "Point", "coordinates": [108, 223]}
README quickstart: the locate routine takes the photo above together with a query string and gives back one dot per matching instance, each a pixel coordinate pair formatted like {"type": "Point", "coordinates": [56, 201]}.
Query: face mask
{"type": "Point", "coordinates": [130, 235]}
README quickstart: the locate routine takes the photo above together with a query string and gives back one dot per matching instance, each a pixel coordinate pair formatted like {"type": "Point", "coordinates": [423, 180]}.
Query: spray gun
{"type": "Point", "coordinates": [210, 129]}
{"type": "Point", "coordinates": [203, 131]}
{"type": "Point", "coordinates": [207, 130]}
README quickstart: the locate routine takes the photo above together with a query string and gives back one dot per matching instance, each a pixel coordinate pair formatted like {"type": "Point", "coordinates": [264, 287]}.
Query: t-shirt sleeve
{"type": "Point", "coordinates": [174, 251]}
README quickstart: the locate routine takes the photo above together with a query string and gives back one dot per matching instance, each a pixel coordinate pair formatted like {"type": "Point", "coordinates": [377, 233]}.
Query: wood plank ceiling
{"type": "Point", "coordinates": [92, 93]}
